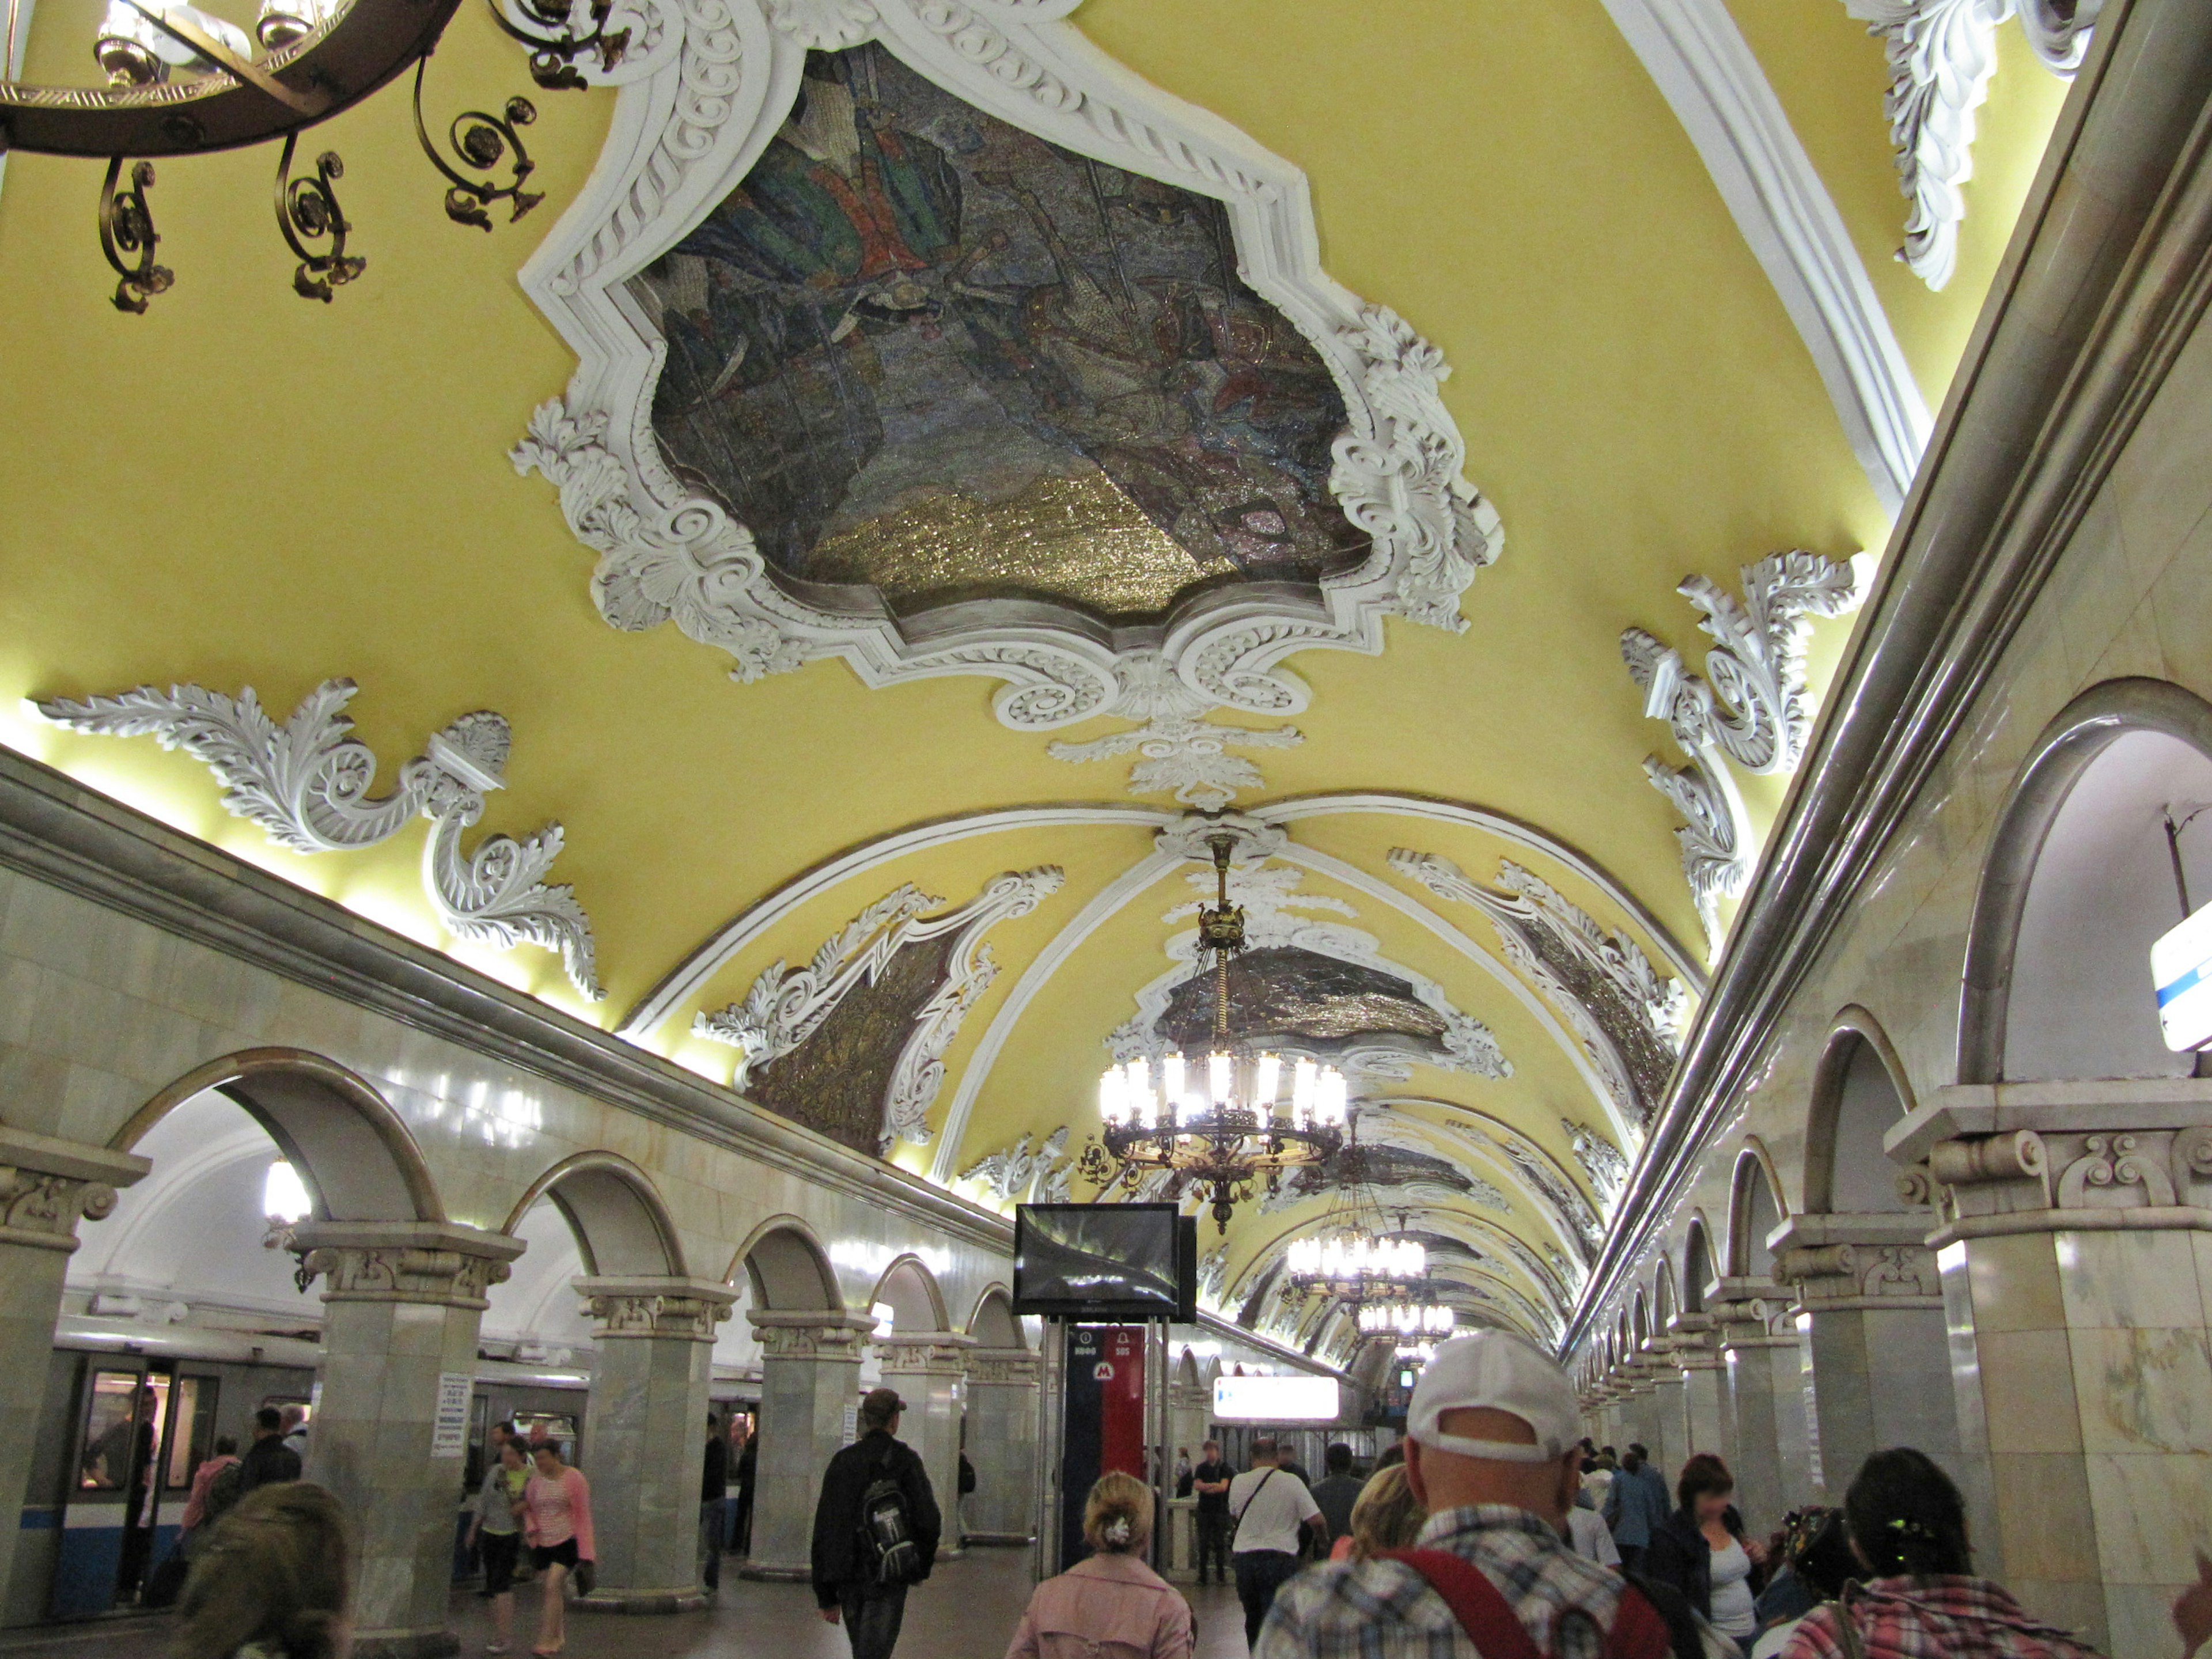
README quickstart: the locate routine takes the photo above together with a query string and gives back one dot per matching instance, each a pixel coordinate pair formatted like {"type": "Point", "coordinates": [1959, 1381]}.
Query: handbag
{"type": "Point", "coordinates": [1238, 1520]}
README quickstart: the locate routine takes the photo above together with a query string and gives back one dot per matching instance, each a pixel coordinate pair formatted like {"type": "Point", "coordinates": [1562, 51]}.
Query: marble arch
{"type": "Point", "coordinates": [993, 1323]}
{"type": "Point", "coordinates": [622, 1225]}
{"type": "Point", "coordinates": [2082, 734]}
{"type": "Point", "coordinates": [1755, 1177]}
{"type": "Point", "coordinates": [911, 1292]}
{"type": "Point", "coordinates": [353, 1154]}
{"type": "Point", "coordinates": [1697, 1263]}
{"type": "Point", "coordinates": [1841, 1103]}
{"type": "Point", "coordinates": [786, 1269]}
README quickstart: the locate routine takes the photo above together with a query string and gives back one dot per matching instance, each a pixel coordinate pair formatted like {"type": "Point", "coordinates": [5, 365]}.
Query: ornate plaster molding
{"type": "Point", "coordinates": [680, 1310]}
{"type": "Point", "coordinates": [836, 1339]}
{"type": "Point", "coordinates": [1575, 1219]}
{"type": "Point", "coordinates": [784, 1007]}
{"type": "Point", "coordinates": [439, 1263]}
{"type": "Point", "coordinates": [47, 1185]}
{"type": "Point", "coordinates": [1605, 1163]}
{"type": "Point", "coordinates": [1702, 65]}
{"type": "Point", "coordinates": [1017, 1175]}
{"type": "Point", "coordinates": [306, 784]}
{"type": "Point", "coordinates": [1942, 54]}
{"type": "Point", "coordinates": [703, 93]}
{"type": "Point", "coordinates": [1003, 1368]}
{"type": "Point", "coordinates": [1753, 707]}
{"type": "Point", "coordinates": [1268, 894]}
{"type": "Point", "coordinates": [1627, 1015]}
{"type": "Point", "coordinates": [925, 1353]}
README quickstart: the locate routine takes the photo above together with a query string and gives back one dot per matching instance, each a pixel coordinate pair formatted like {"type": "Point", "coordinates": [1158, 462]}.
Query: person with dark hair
{"type": "Point", "coordinates": [1700, 1550]}
{"type": "Point", "coordinates": [1635, 1507]}
{"type": "Point", "coordinates": [196, 1514]}
{"type": "Point", "coordinates": [1818, 1563]}
{"type": "Point", "coordinates": [1908, 1529]}
{"type": "Point", "coordinates": [1269, 1509]}
{"type": "Point", "coordinates": [713, 1489]}
{"type": "Point", "coordinates": [1210, 1481]}
{"type": "Point", "coordinates": [1337, 1491]}
{"type": "Point", "coordinates": [1392, 1456]}
{"type": "Point", "coordinates": [272, 1580]}
{"type": "Point", "coordinates": [268, 1460]}
{"type": "Point", "coordinates": [495, 1531]}
{"type": "Point", "coordinates": [557, 1520]}
{"type": "Point", "coordinates": [875, 1530]}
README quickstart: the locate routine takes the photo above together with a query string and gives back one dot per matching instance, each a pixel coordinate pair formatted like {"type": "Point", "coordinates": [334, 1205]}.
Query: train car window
{"type": "Point", "coordinates": [534, 1426]}
{"type": "Point", "coordinates": [191, 1428]}
{"type": "Point", "coordinates": [111, 1422]}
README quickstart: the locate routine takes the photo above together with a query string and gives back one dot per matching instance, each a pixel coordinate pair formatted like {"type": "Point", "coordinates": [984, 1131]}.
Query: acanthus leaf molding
{"type": "Point", "coordinates": [306, 784]}
{"type": "Point", "coordinates": [1753, 707]}
{"type": "Point", "coordinates": [716, 81]}
{"type": "Point", "coordinates": [783, 1008]}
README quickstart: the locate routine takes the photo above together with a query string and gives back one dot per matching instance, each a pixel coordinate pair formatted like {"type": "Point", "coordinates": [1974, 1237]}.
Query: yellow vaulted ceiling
{"type": "Point", "coordinates": [241, 487]}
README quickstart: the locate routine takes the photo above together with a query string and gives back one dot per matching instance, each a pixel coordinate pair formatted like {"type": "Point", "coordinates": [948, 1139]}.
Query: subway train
{"type": "Point", "coordinates": [131, 1410]}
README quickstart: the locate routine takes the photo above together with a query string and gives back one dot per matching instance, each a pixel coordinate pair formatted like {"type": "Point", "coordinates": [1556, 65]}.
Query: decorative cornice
{"type": "Point", "coordinates": [47, 1184]}
{"type": "Point", "coordinates": [991, 1368]}
{"type": "Point", "coordinates": [1702, 65]}
{"type": "Point", "coordinates": [689, 126]}
{"type": "Point", "coordinates": [1836, 1262]}
{"type": "Point", "coordinates": [924, 1353]}
{"type": "Point", "coordinates": [306, 783]}
{"type": "Point", "coordinates": [835, 1338]}
{"type": "Point", "coordinates": [1942, 54]}
{"type": "Point", "coordinates": [1754, 708]}
{"type": "Point", "coordinates": [441, 1263]}
{"type": "Point", "coordinates": [784, 1008]}
{"type": "Point", "coordinates": [60, 832]}
{"type": "Point", "coordinates": [683, 1309]}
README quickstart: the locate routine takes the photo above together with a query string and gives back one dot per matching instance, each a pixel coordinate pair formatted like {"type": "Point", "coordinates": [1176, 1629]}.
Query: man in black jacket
{"type": "Point", "coordinates": [844, 1585]}
{"type": "Point", "coordinates": [268, 1459]}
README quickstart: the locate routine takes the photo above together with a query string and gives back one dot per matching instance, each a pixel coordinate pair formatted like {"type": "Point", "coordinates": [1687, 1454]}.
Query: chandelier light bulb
{"type": "Point", "coordinates": [1266, 1081]}
{"type": "Point", "coordinates": [284, 1195]}
{"type": "Point", "coordinates": [1140, 1072]}
{"type": "Point", "coordinates": [1221, 1077]}
{"type": "Point", "coordinates": [1172, 1076]}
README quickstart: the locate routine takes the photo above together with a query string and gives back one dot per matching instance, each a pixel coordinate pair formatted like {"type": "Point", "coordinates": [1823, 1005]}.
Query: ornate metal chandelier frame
{"type": "Point", "coordinates": [1238, 1133]}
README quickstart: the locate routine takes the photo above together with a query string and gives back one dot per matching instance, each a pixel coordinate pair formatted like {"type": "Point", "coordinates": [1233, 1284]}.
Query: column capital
{"type": "Point", "coordinates": [648, 1306]}
{"type": "Point", "coordinates": [1018, 1367]}
{"type": "Point", "coordinates": [932, 1353]}
{"type": "Point", "coordinates": [1836, 1262]}
{"type": "Point", "coordinates": [1743, 1309]}
{"type": "Point", "coordinates": [442, 1263]}
{"type": "Point", "coordinates": [2063, 1156]}
{"type": "Point", "coordinates": [47, 1184]}
{"type": "Point", "coordinates": [810, 1335]}
{"type": "Point", "coordinates": [1183, 1396]}
{"type": "Point", "coordinates": [1696, 1341]}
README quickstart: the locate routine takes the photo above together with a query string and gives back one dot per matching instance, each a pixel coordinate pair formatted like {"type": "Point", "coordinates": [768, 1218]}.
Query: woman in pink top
{"type": "Point", "coordinates": [1111, 1606]}
{"type": "Point", "coordinates": [557, 1514]}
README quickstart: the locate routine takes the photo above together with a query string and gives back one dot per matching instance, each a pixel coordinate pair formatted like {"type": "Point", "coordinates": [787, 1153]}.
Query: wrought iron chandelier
{"type": "Point", "coordinates": [1222, 1125]}
{"type": "Point", "coordinates": [1407, 1321]}
{"type": "Point", "coordinates": [1351, 1257]}
{"type": "Point", "coordinates": [182, 80]}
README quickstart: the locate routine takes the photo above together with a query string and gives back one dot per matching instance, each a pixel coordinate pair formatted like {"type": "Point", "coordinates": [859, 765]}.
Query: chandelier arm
{"type": "Point", "coordinates": [552, 60]}
{"type": "Point", "coordinates": [126, 226]}
{"type": "Point", "coordinates": [309, 207]}
{"type": "Point", "coordinates": [482, 141]}
{"type": "Point", "coordinates": [310, 105]}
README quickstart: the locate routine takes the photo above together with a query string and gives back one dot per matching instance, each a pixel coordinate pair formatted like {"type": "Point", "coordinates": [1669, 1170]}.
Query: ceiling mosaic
{"type": "Point", "coordinates": [999, 388]}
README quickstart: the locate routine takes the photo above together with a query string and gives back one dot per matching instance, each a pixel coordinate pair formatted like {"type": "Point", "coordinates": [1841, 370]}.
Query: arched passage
{"type": "Point", "coordinates": [2080, 880]}
{"type": "Point", "coordinates": [1697, 1266]}
{"type": "Point", "coordinates": [786, 1269]}
{"type": "Point", "coordinates": [993, 1324]}
{"type": "Point", "coordinates": [909, 1290]}
{"type": "Point", "coordinates": [1858, 1095]}
{"type": "Point", "coordinates": [1755, 1210]}
{"type": "Point", "coordinates": [620, 1224]}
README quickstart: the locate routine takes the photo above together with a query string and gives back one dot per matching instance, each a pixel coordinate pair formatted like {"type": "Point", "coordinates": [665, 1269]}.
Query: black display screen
{"type": "Point", "coordinates": [1108, 1261]}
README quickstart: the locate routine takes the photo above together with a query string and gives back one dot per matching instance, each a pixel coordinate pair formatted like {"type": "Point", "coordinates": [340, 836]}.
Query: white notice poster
{"type": "Point", "coordinates": [449, 1426]}
{"type": "Point", "coordinates": [851, 1424]}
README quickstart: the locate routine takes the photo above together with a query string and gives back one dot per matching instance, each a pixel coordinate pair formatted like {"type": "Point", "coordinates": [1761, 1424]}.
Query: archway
{"type": "Point", "coordinates": [2080, 878]}
{"type": "Point", "coordinates": [1755, 1210]}
{"type": "Point", "coordinates": [786, 1269]}
{"type": "Point", "coordinates": [1697, 1267]}
{"type": "Point", "coordinates": [621, 1225]}
{"type": "Point", "coordinates": [994, 1326]}
{"type": "Point", "coordinates": [1858, 1095]}
{"type": "Point", "coordinates": [909, 1290]}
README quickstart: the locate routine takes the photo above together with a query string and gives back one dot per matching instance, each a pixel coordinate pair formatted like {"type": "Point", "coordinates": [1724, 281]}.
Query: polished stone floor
{"type": "Point", "coordinates": [967, 1610]}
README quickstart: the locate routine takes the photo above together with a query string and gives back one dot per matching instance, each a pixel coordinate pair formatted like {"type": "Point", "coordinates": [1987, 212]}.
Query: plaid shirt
{"type": "Point", "coordinates": [1934, 1618]}
{"type": "Point", "coordinates": [1386, 1610]}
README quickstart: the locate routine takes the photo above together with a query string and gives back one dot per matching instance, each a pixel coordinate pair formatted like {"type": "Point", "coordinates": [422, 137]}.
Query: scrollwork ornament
{"type": "Point", "coordinates": [482, 141]}
{"type": "Point", "coordinates": [307, 212]}
{"type": "Point", "coordinates": [126, 227]}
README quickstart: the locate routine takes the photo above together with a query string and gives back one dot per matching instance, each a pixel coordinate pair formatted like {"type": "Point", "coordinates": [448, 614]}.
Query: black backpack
{"type": "Point", "coordinates": [224, 1491]}
{"type": "Point", "coordinates": [888, 1552]}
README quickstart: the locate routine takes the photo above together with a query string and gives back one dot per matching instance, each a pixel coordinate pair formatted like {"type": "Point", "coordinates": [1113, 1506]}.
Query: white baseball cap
{"type": "Point", "coordinates": [1505, 1373]}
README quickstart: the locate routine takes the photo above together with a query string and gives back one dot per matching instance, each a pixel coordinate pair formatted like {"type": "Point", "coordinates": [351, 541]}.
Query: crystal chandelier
{"type": "Point", "coordinates": [1354, 1265]}
{"type": "Point", "coordinates": [1407, 1320]}
{"type": "Point", "coordinates": [1222, 1123]}
{"type": "Point", "coordinates": [181, 81]}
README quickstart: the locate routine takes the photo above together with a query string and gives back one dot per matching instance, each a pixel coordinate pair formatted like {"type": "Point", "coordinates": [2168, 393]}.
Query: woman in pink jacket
{"type": "Point", "coordinates": [1111, 1606]}
{"type": "Point", "coordinates": [556, 1514]}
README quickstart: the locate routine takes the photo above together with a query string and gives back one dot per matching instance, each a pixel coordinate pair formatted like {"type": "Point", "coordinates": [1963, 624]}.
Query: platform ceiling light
{"type": "Point", "coordinates": [1408, 1320]}
{"type": "Point", "coordinates": [1222, 1124]}
{"type": "Point", "coordinates": [285, 1203]}
{"type": "Point", "coordinates": [181, 81]}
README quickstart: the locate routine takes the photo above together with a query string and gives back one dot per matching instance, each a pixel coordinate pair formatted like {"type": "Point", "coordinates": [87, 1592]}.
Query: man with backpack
{"type": "Point", "coordinates": [1493, 1454]}
{"type": "Point", "coordinates": [268, 1460]}
{"type": "Point", "coordinates": [876, 1527]}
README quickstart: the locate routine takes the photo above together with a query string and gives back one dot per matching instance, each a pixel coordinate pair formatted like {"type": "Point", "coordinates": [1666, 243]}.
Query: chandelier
{"type": "Point", "coordinates": [1221, 1125]}
{"type": "Point", "coordinates": [1349, 1264]}
{"type": "Point", "coordinates": [1407, 1320]}
{"type": "Point", "coordinates": [181, 81]}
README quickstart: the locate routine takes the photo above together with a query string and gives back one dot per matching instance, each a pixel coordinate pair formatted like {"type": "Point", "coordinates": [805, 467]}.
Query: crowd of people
{"type": "Point", "coordinates": [1493, 1528]}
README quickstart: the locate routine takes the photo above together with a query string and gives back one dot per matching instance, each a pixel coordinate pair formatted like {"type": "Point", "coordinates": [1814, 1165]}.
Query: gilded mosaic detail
{"type": "Point", "coordinates": [922, 349]}
{"type": "Point", "coordinates": [1285, 990]}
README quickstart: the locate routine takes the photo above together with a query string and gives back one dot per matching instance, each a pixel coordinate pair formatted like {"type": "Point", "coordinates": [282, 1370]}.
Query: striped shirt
{"type": "Point", "coordinates": [1386, 1610]}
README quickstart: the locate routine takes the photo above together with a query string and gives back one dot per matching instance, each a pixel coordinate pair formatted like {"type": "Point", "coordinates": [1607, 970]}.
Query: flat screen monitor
{"type": "Point", "coordinates": [1105, 1261]}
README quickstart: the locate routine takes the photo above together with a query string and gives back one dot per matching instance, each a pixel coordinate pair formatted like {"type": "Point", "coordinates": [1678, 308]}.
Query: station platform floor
{"type": "Point", "coordinates": [967, 1610]}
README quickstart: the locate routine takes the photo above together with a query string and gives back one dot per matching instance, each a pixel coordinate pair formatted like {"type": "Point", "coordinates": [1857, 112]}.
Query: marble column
{"type": "Point", "coordinates": [810, 1391]}
{"type": "Point", "coordinates": [929, 1368]}
{"type": "Point", "coordinates": [1665, 1417]}
{"type": "Point", "coordinates": [401, 1303]}
{"type": "Point", "coordinates": [2074, 1238]}
{"type": "Point", "coordinates": [1872, 1344]}
{"type": "Point", "coordinates": [1704, 1380]}
{"type": "Point", "coordinates": [646, 1431]}
{"type": "Point", "coordinates": [1753, 1420]}
{"type": "Point", "coordinates": [1002, 1432]}
{"type": "Point", "coordinates": [1190, 1414]}
{"type": "Point", "coordinates": [45, 1185]}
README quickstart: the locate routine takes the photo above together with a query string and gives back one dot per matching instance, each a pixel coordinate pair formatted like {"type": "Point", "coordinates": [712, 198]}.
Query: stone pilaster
{"type": "Point", "coordinates": [1705, 1378]}
{"type": "Point", "coordinates": [1871, 1342]}
{"type": "Point", "coordinates": [1763, 1401]}
{"type": "Point", "coordinates": [809, 1386]}
{"type": "Point", "coordinates": [929, 1368]}
{"type": "Point", "coordinates": [1002, 1443]}
{"type": "Point", "coordinates": [401, 1303]}
{"type": "Point", "coordinates": [1665, 1417]}
{"type": "Point", "coordinates": [45, 1186]}
{"type": "Point", "coordinates": [2074, 1239]}
{"type": "Point", "coordinates": [645, 1428]}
